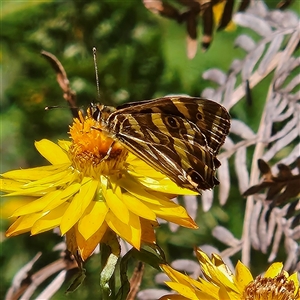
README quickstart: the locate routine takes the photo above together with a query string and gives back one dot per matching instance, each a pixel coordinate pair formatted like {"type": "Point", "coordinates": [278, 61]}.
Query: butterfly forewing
{"type": "Point", "coordinates": [178, 136]}
{"type": "Point", "coordinates": [206, 116]}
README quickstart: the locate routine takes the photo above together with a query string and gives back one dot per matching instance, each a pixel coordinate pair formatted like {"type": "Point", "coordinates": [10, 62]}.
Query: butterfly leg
{"type": "Point", "coordinates": [108, 151]}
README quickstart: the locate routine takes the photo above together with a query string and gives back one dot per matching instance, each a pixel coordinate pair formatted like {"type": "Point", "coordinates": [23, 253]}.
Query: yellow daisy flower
{"type": "Point", "coordinates": [92, 185]}
{"type": "Point", "coordinates": [221, 284]}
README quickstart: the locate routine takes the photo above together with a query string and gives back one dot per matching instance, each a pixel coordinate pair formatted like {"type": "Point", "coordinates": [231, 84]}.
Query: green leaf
{"type": "Point", "coordinates": [78, 280]}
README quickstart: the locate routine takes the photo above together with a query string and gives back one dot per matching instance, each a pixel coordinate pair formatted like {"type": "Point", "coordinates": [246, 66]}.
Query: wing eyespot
{"type": "Point", "coordinates": [199, 116]}
{"type": "Point", "coordinates": [195, 177]}
{"type": "Point", "coordinates": [172, 122]}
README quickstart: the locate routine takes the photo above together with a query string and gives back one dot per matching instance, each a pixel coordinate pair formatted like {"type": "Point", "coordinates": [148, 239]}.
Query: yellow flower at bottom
{"type": "Point", "coordinates": [221, 284]}
{"type": "Point", "coordinates": [93, 185]}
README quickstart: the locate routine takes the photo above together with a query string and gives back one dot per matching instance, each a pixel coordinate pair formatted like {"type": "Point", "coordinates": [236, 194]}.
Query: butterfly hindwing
{"type": "Point", "coordinates": [170, 153]}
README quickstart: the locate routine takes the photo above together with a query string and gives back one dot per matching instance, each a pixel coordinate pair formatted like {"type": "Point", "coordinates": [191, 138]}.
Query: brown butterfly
{"type": "Point", "coordinates": [178, 136]}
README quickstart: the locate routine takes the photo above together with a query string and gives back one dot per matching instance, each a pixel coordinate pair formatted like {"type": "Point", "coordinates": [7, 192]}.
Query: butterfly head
{"type": "Point", "coordinates": [100, 112]}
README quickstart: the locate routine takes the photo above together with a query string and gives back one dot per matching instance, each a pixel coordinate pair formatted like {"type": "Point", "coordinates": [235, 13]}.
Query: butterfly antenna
{"type": "Point", "coordinates": [61, 107]}
{"type": "Point", "coordinates": [96, 72]}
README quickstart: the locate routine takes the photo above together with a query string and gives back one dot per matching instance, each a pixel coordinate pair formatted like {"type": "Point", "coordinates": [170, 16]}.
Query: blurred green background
{"type": "Point", "coordinates": [140, 56]}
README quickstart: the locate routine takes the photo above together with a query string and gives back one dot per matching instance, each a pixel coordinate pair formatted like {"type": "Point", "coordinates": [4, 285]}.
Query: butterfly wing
{"type": "Point", "coordinates": [206, 116]}
{"type": "Point", "coordinates": [173, 135]}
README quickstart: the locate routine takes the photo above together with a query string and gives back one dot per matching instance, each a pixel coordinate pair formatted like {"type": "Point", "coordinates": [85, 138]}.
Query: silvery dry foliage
{"type": "Point", "coordinates": [267, 221]}
{"type": "Point", "coordinates": [273, 54]}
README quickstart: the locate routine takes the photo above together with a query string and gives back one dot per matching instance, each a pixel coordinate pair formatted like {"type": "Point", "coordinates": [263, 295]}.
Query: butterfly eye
{"type": "Point", "coordinates": [172, 122]}
{"type": "Point", "coordinates": [96, 113]}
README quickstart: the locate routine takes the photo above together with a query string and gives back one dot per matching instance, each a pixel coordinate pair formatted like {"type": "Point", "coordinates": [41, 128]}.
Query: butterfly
{"type": "Point", "coordinates": [178, 136]}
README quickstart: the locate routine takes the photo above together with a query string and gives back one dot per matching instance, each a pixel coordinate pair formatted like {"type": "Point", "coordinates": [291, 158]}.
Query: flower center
{"type": "Point", "coordinates": [277, 288]}
{"type": "Point", "coordinates": [93, 152]}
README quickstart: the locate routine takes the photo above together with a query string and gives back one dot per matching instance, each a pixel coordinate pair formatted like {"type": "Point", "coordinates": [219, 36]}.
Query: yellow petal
{"type": "Point", "coordinates": [23, 224]}
{"type": "Point", "coordinates": [140, 192]}
{"type": "Point", "coordinates": [131, 232]}
{"type": "Point", "coordinates": [166, 185]}
{"type": "Point", "coordinates": [86, 247]}
{"type": "Point", "coordinates": [34, 191]}
{"type": "Point", "coordinates": [208, 288]}
{"type": "Point", "coordinates": [153, 179]}
{"type": "Point", "coordinates": [163, 185]}
{"type": "Point", "coordinates": [183, 290]}
{"type": "Point", "coordinates": [294, 278]}
{"type": "Point", "coordinates": [65, 145]}
{"type": "Point", "coordinates": [189, 282]}
{"type": "Point", "coordinates": [274, 270]}
{"type": "Point", "coordinates": [8, 185]}
{"type": "Point", "coordinates": [64, 195]}
{"type": "Point", "coordinates": [8, 206]}
{"type": "Point", "coordinates": [208, 268]}
{"type": "Point", "coordinates": [116, 205]}
{"type": "Point", "coordinates": [174, 274]}
{"type": "Point", "coordinates": [217, 274]}
{"type": "Point", "coordinates": [67, 180]}
{"type": "Point", "coordinates": [173, 212]}
{"type": "Point", "coordinates": [138, 207]}
{"type": "Point", "coordinates": [55, 179]}
{"type": "Point", "coordinates": [37, 205]}
{"type": "Point", "coordinates": [92, 219]}
{"type": "Point", "coordinates": [50, 220]}
{"type": "Point", "coordinates": [52, 152]}
{"type": "Point", "coordinates": [202, 256]}
{"type": "Point", "coordinates": [79, 204]}
{"type": "Point", "coordinates": [208, 296]}
{"type": "Point", "coordinates": [225, 294]}
{"type": "Point", "coordinates": [37, 173]}
{"type": "Point", "coordinates": [221, 266]}
{"type": "Point", "coordinates": [242, 276]}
